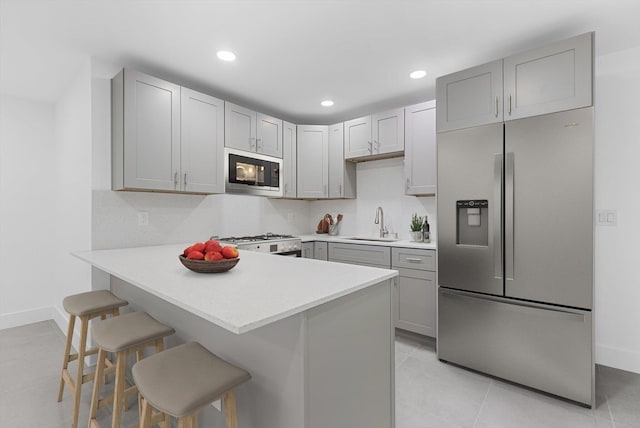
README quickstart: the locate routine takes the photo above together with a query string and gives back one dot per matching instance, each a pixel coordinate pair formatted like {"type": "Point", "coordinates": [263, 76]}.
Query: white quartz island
{"type": "Point", "coordinates": [316, 336]}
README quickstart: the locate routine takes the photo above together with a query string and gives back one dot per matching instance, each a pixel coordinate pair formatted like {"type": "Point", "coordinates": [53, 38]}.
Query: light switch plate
{"type": "Point", "coordinates": [607, 217]}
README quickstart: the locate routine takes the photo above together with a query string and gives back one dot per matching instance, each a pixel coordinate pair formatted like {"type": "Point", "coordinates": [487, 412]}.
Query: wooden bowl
{"type": "Point", "coordinates": [204, 266]}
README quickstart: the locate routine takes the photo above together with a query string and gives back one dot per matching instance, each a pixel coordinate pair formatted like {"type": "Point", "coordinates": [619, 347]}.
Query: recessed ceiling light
{"type": "Point", "coordinates": [418, 74]}
{"type": "Point", "coordinates": [326, 103]}
{"type": "Point", "coordinates": [226, 55]}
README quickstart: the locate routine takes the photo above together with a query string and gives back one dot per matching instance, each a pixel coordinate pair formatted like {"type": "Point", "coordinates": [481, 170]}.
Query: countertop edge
{"type": "Point", "coordinates": [397, 244]}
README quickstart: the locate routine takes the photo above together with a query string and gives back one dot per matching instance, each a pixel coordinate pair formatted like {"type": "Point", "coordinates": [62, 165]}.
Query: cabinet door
{"type": "Point", "coordinates": [420, 149]}
{"type": "Point", "coordinates": [313, 159]}
{"type": "Point", "coordinates": [357, 138]}
{"type": "Point", "coordinates": [470, 97]}
{"type": "Point", "coordinates": [307, 250]}
{"type": "Point", "coordinates": [388, 131]}
{"type": "Point", "coordinates": [336, 160]}
{"type": "Point", "coordinates": [239, 127]}
{"type": "Point", "coordinates": [415, 301]}
{"type": "Point", "coordinates": [202, 143]}
{"type": "Point", "coordinates": [320, 250]}
{"type": "Point", "coordinates": [269, 135]}
{"type": "Point", "coordinates": [289, 159]}
{"type": "Point", "coordinates": [151, 132]}
{"type": "Point", "coordinates": [549, 79]}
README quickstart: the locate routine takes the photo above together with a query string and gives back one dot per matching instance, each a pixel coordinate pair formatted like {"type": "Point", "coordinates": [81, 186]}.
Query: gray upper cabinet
{"type": "Point", "coordinates": [164, 137]}
{"type": "Point", "coordinates": [420, 149]}
{"type": "Point", "coordinates": [269, 135]}
{"type": "Point", "coordinates": [250, 131]}
{"type": "Point", "coordinates": [376, 136]}
{"type": "Point", "coordinates": [342, 174]}
{"type": "Point", "coordinates": [553, 78]}
{"type": "Point", "coordinates": [388, 131]}
{"type": "Point", "coordinates": [469, 97]}
{"type": "Point", "coordinates": [145, 132]}
{"type": "Point", "coordinates": [313, 159]}
{"type": "Point", "coordinates": [201, 147]}
{"type": "Point", "coordinates": [239, 127]}
{"type": "Point", "coordinates": [357, 138]}
{"type": "Point", "coordinates": [289, 159]}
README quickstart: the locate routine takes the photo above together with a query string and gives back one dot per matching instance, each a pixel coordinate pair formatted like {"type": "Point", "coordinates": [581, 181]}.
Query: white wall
{"type": "Point", "coordinates": [27, 203]}
{"type": "Point", "coordinates": [379, 183]}
{"type": "Point", "coordinates": [72, 211]}
{"type": "Point", "coordinates": [617, 177]}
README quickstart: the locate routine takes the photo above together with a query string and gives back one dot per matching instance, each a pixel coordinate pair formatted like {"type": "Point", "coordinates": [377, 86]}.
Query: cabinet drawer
{"type": "Point", "coordinates": [363, 254]}
{"type": "Point", "coordinates": [412, 258]}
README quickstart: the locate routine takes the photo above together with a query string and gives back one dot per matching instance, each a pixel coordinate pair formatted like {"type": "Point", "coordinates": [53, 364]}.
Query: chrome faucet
{"type": "Point", "coordinates": [380, 220]}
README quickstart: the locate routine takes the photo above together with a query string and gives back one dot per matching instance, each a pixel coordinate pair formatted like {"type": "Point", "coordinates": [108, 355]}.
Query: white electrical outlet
{"type": "Point", "coordinates": [143, 218]}
{"type": "Point", "coordinates": [607, 217]}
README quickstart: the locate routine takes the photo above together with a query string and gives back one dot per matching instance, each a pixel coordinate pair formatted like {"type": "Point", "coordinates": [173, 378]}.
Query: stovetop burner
{"type": "Point", "coordinates": [255, 238]}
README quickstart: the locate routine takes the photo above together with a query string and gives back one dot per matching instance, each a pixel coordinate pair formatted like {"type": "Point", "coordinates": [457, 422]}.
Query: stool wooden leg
{"type": "Point", "coordinates": [145, 414]}
{"type": "Point", "coordinates": [67, 350]}
{"type": "Point", "coordinates": [230, 409]}
{"type": "Point", "coordinates": [118, 393]}
{"type": "Point", "coordinates": [97, 383]}
{"type": "Point", "coordinates": [80, 373]}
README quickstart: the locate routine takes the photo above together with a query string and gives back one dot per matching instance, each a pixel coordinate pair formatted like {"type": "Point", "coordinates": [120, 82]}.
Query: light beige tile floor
{"type": "Point", "coordinates": [429, 393]}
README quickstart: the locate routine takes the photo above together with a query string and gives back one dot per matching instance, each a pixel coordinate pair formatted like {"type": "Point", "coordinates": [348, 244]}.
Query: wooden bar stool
{"type": "Point", "coordinates": [86, 306]}
{"type": "Point", "coordinates": [182, 381]}
{"type": "Point", "coordinates": [124, 335]}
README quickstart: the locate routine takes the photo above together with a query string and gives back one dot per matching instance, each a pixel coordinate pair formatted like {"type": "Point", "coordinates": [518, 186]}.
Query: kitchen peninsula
{"type": "Point", "coordinates": [316, 337]}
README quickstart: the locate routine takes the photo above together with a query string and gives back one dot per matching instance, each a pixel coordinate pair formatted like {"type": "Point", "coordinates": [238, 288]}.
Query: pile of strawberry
{"type": "Point", "coordinates": [210, 250]}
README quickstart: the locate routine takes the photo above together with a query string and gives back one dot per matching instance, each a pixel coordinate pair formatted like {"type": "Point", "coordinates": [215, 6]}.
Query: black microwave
{"type": "Point", "coordinates": [252, 173]}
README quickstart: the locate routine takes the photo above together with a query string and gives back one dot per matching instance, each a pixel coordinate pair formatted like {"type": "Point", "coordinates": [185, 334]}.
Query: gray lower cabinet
{"type": "Point", "coordinates": [320, 250]}
{"type": "Point", "coordinates": [415, 290]}
{"type": "Point", "coordinates": [307, 250]}
{"type": "Point", "coordinates": [370, 255]}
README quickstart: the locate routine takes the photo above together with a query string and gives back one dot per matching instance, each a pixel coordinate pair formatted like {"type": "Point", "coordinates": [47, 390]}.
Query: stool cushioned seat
{"type": "Point", "coordinates": [123, 332]}
{"type": "Point", "coordinates": [180, 380]}
{"type": "Point", "coordinates": [92, 301]}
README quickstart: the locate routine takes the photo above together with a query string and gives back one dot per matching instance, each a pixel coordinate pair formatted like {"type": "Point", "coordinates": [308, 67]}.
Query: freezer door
{"type": "Point", "coordinates": [469, 238]}
{"type": "Point", "coordinates": [549, 208]}
{"type": "Point", "coordinates": [541, 346]}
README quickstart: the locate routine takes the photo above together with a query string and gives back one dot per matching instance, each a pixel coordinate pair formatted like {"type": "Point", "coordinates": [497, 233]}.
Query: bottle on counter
{"type": "Point", "coordinates": [425, 230]}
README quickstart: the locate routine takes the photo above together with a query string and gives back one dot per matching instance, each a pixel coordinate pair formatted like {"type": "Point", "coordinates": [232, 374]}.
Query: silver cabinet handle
{"type": "Point", "coordinates": [340, 189]}
{"type": "Point", "coordinates": [498, 184]}
{"type": "Point", "coordinates": [257, 143]}
{"type": "Point", "coordinates": [509, 104]}
{"type": "Point", "coordinates": [508, 214]}
{"type": "Point", "coordinates": [413, 260]}
{"type": "Point", "coordinates": [370, 147]}
{"type": "Point", "coordinates": [325, 190]}
{"type": "Point", "coordinates": [496, 106]}
{"type": "Point", "coordinates": [175, 179]}
{"type": "Point", "coordinates": [185, 179]}
{"type": "Point", "coordinates": [407, 184]}
{"type": "Point", "coordinates": [286, 188]}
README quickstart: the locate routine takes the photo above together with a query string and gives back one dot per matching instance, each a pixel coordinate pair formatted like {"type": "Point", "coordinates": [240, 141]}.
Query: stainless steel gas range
{"type": "Point", "coordinates": [282, 245]}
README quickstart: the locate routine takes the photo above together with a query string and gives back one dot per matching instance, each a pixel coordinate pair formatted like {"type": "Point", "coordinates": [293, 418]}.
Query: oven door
{"type": "Point", "coordinates": [292, 253]}
{"type": "Point", "coordinates": [252, 173]}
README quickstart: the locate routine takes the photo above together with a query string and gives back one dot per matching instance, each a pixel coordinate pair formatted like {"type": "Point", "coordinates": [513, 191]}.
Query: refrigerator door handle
{"type": "Point", "coordinates": [509, 220]}
{"type": "Point", "coordinates": [497, 216]}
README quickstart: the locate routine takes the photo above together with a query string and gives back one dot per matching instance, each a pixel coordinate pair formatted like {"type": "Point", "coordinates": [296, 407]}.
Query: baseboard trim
{"type": "Point", "coordinates": [17, 319]}
{"type": "Point", "coordinates": [618, 358]}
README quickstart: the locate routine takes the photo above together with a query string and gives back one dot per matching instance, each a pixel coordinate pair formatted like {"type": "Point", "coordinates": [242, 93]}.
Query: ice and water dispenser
{"type": "Point", "coordinates": [472, 222]}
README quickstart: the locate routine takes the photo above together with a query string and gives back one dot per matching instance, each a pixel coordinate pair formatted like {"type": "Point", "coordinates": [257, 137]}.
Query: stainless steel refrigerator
{"type": "Point", "coordinates": [515, 251]}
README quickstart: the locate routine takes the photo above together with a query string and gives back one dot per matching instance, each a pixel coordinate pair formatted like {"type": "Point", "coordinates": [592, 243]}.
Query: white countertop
{"type": "Point", "coordinates": [259, 290]}
{"type": "Point", "coordinates": [344, 239]}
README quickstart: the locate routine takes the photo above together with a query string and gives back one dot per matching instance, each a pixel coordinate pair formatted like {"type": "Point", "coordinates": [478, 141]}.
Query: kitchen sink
{"type": "Point", "coordinates": [369, 238]}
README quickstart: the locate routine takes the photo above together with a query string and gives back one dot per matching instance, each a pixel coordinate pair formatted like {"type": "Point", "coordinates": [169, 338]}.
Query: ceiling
{"type": "Point", "coordinates": [292, 54]}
